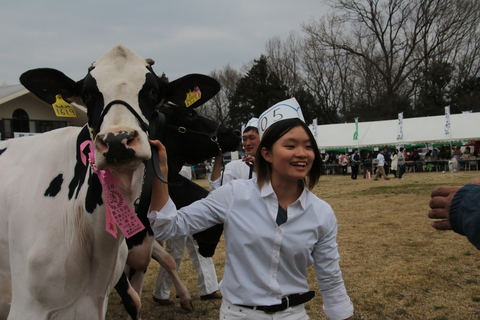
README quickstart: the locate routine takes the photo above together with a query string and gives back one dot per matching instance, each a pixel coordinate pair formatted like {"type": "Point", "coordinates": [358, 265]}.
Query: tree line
{"type": "Point", "coordinates": [366, 59]}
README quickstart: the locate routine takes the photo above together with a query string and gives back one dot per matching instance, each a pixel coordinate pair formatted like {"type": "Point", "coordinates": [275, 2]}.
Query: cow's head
{"type": "Point", "coordinates": [126, 79]}
{"type": "Point", "coordinates": [189, 137]}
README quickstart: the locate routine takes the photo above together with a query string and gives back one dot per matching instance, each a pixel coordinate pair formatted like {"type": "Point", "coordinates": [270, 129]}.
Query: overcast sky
{"type": "Point", "coordinates": [181, 36]}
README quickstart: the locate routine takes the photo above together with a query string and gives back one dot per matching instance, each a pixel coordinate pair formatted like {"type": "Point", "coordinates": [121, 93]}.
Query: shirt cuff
{"type": "Point", "coordinates": [340, 312]}
{"type": "Point", "coordinates": [214, 185]}
{"type": "Point", "coordinates": [159, 220]}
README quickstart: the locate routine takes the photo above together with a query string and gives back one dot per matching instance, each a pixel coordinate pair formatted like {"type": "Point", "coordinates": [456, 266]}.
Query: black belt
{"type": "Point", "coordinates": [289, 301]}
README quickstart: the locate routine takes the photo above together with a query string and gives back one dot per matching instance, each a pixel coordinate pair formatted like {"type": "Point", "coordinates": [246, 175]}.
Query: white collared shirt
{"type": "Point", "coordinates": [381, 160]}
{"type": "Point", "coordinates": [265, 262]}
{"type": "Point", "coordinates": [236, 169]}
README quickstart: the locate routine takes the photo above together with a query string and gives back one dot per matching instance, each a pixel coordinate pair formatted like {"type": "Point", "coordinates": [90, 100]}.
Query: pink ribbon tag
{"type": "Point", "coordinates": [118, 211]}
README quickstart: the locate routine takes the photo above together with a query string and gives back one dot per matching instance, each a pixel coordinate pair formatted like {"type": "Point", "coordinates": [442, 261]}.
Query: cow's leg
{"type": "Point", "coordinates": [5, 276]}
{"type": "Point", "coordinates": [168, 263]}
{"type": "Point", "coordinates": [4, 309]}
{"type": "Point", "coordinates": [130, 298]}
{"type": "Point", "coordinates": [138, 259]}
{"type": "Point", "coordinates": [130, 291]}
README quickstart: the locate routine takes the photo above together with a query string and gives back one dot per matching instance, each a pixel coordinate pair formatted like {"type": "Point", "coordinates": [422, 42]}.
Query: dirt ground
{"type": "Point", "coordinates": [395, 265]}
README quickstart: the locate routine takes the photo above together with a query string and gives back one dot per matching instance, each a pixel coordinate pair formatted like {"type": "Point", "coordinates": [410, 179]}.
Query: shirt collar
{"type": "Point", "coordinates": [267, 190]}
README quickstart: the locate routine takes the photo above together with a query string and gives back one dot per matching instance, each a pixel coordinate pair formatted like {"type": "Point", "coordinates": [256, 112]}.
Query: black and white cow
{"type": "Point", "coordinates": [189, 139]}
{"type": "Point", "coordinates": [57, 260]}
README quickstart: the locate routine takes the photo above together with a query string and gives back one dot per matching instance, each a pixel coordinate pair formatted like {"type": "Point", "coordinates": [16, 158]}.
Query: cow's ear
{"type": "Point", "coordinates": [178, 90]}
{"type": "Point", "coordinates": [46, 83]}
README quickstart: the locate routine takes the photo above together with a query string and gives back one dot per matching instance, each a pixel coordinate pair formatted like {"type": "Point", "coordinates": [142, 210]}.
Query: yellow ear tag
{"type": "Point", "coordinates": [192, 97]}
{"type": "Point", "coordinates": [62, 108]}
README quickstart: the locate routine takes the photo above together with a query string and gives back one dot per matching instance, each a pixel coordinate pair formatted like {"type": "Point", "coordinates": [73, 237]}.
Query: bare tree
{"type": "Point", "coordinates": [217, 107]}
{"type": "Point", "coordinates": [448, 41]}
{"type": "Point", "coordinates": [394, 38]}
{"type": "Point", "coordinates": [284, 60]}
{"type": "Point", "coordinates": [302, 68]}
{"type": "Point", "coordinates": [327, 73]}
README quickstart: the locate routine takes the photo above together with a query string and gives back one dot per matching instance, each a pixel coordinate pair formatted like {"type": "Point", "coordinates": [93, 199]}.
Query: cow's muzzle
{"type": "Point", "coordinates": [124, 140]}
{"type": "Point", "coordinates": [117, 147]}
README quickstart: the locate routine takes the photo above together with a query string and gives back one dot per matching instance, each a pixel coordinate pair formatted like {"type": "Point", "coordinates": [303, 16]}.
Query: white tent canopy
{"type": "Point", "coordinates": [465, 126]}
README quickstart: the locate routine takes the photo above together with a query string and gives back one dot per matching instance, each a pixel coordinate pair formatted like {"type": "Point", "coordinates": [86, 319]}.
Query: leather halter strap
{"type": "Point", "coordinates": [155, 131]}
{"type": "Point", "coordinates": [142, 123]}
{"type": "Point", "coordinates": [212, 136]}
{"type": "Point", "coordinates": [156, 125]}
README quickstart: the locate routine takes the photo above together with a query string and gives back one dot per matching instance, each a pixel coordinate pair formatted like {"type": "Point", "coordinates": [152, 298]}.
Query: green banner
{"type": "Point", "coordinates": [355, 135]}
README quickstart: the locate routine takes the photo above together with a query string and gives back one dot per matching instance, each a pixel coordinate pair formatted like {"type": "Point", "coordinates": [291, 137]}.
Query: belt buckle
{"type": "Point", "coordinates": [284, 305]}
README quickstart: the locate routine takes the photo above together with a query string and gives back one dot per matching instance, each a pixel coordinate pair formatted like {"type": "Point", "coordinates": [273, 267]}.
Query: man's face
{"type": "Point", "coordinates": [250, 142]}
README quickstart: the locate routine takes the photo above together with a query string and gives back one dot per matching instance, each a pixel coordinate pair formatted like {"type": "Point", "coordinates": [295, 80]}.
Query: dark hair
{"type": "Point", "coordinates": [250, 128]}
{"type": "Point", "coordinates": [277, 130]}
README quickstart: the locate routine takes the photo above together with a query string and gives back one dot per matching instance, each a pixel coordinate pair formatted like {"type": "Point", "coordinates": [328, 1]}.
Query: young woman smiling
{"type": "Point", "coordinates": [275, 227]}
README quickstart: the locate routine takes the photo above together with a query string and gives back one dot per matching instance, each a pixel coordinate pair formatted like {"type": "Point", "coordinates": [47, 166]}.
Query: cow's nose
{"type": "Point", "coordinates": [117, 147]}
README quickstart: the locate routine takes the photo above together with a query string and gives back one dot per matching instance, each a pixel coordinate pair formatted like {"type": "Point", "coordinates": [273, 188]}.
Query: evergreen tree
{"type": "Point", "coordinates": [258, 90]}
{"type": "Point", "coordinates": [466, 96]}
{"type": "Point", "coordinates": [432, 99]}
{"type": "Point", "coordinates": [311, 109]}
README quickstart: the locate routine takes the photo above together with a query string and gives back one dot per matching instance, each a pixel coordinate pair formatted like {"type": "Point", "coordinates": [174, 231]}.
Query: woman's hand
{"type": "Point", "coordinates": [162, 156]}
{"type": "Point", "coordinates": [159, 189]}
{"type": "Point", "coordinates": [217, 167]}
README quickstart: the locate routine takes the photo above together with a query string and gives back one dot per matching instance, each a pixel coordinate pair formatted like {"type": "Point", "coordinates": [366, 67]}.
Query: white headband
{"type": "Point", "coordinates": [251, 123]}
{"type": "Point", "coordinates": [288, 109]}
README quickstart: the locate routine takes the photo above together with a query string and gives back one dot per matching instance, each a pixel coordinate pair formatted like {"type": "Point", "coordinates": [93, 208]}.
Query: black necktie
{"type": "Point", "coordinates": [281, 215]}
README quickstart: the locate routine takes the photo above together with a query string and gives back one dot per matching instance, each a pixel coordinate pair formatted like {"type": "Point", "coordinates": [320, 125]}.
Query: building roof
{"type": "Point", "coordinates": [8, 93]}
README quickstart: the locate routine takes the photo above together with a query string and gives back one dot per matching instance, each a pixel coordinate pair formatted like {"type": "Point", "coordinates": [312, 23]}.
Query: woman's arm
{"type": "Point", "coordinates": [217, 168]}
{"type": "Point", "coordinates": [160, 194]}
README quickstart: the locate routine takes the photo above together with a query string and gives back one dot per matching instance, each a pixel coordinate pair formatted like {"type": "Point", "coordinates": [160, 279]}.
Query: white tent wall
{"type": "Point", "coordinates": [465, 126]}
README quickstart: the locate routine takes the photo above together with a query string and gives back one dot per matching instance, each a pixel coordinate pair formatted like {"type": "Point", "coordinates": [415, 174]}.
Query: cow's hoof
{"type": "Point", "coordinates": [187, 305]}
{"type": "Point", "coordinates": [163, 302]}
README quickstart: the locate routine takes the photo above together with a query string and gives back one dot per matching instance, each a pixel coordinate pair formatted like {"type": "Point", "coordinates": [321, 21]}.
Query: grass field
{"type": "Point", "coordinates": [395, 265]}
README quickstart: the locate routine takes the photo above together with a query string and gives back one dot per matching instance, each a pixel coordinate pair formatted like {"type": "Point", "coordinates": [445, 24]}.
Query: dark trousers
{"type": "Point", "coordinates": [401, 171]}
{"type": "Point", "coordinates": [354, 171]}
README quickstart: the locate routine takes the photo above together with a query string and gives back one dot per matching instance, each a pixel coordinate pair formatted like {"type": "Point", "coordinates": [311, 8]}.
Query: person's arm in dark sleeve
{"type": "Point", "coordinates": [465, 213]}
{"type": "Point", "coordinates": [457, 208]}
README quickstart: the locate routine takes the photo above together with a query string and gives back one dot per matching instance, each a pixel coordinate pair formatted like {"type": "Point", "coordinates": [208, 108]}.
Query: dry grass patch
{"type": "Point", "coordinates": [395, 265]}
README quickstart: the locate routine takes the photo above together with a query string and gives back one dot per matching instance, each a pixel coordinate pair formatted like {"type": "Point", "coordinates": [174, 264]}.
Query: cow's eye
{"type": "Point", "coordinates": [86, 96]}
{"type": "Point", "coordinates": [191, 115]}
{"type": "Point", "coordinates": [153, 94]}
{"type": "Point", "coordinates": [150, 95]}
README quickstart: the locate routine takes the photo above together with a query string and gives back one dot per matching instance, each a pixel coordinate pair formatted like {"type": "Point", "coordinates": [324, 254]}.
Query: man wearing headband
{"type": "Point", "coordinates": [238, 169]}
{"type": "Point", "coordinates": [275, 227]}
